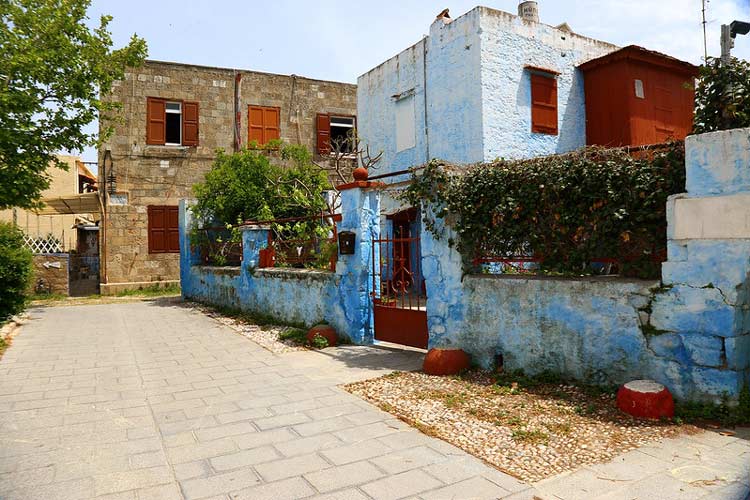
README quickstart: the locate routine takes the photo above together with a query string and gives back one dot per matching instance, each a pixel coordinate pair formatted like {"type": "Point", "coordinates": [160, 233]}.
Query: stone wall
{"type": "Point", "coordinates": [53, 269]}
{"type": "Point", "coordinates": [162, 175]}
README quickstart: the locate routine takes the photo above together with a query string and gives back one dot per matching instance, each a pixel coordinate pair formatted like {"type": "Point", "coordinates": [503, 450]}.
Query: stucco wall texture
{"type": "Point", "coordinates": [470, 85]}
{"type": "Point", "coordinates": [691, 332]}
{"type": "Point", "coordinates": [341, 298]}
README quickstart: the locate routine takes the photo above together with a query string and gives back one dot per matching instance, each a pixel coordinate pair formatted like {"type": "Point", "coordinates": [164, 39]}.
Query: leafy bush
{"type": "Point", "coordinates": [722, 97]}
{"type": "Point", "coordinates": [249, 186]}
{"type": "Point", "coordinates": [568, 210]}
{"type": "Point", "coordinates": [15, 271]}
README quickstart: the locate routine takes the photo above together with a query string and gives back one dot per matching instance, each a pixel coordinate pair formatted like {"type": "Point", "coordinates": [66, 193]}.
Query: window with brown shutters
{"type": "Point", "coordinates": [163, 229]}
{"type": "Point", "coordinates": [263, 124]}
{"type": "Point", "coordinates": [543, 104]}
{"type": "Point", "coordinates": [336, 132]}
{"type": "Point", "coordinates": [171, 122]}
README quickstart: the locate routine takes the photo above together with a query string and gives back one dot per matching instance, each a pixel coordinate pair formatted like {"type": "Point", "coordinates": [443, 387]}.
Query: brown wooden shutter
{"type": "Point", "coordinates": [272, 130]}
{"type": "Point", "coordinates": [157, 230]}
{"type": "Point", "coordinates": [163, 229]}
{"type": "Point", "coordinates": [543, 104]}
{"type": "Point", "coordinates": [255, 124]}
{"type": "Point", "coordinates": [263, 124]}
{"type": "Point", "coordinates": [173, 229]}
{"type": "Point", "coordinates": [189, 123]}
{"type": "Point", "coordinates": [156, 121]}
{"type": "Point", "coordinates": [324, 133]}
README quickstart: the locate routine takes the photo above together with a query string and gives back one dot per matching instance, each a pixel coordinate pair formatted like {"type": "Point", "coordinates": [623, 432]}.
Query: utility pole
{"type": "Point", "coordinates": [705, 41]}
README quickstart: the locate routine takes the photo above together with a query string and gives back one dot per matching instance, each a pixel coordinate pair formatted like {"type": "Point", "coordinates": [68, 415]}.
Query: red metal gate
{"type": "Point", "coordinates": [399, 298]}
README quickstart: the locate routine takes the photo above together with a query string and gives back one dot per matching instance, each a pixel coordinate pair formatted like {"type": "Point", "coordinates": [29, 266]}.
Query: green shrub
{"type": "Point", "coordinates": [15, 271]}
{"type": "Point", "coordinates": [568, 210]}
{"type": "Point", "coordinates": [722, 97]}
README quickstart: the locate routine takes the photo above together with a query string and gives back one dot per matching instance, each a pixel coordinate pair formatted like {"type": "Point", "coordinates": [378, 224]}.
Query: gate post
{"type": "Point", "coordinates": [360, 207]}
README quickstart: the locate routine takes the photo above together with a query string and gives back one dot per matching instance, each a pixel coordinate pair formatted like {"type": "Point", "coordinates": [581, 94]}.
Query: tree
{"type": "Point", "coordinates": [15, 271]}
{"type": "Point", "coordinates": [53, 70]}
{"type": "Point", "coordinates": [722, 97]}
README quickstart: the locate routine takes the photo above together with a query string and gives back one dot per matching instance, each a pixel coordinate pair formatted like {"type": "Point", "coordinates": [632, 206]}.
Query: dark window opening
{"type": "Point", "coordinates": [174, 123]}
{"type": "Point", "coordinates": [343, 137]}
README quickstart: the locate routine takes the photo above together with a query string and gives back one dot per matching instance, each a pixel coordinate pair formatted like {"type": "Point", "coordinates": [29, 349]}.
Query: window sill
{"type": "Point", "coordinates": [167, 151]}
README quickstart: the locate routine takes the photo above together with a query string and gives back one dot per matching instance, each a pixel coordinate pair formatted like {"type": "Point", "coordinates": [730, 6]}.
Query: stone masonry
{"type": "Point", "coordinates": [161, 175]}
{"type": "Point", "coordinates": [52, 269]}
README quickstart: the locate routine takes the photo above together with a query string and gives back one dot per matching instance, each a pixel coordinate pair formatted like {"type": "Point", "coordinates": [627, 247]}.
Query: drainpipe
{"type": "Point", "coordinates": [424, 77]}
{"type": "Point", "coordinates": [237, 112]}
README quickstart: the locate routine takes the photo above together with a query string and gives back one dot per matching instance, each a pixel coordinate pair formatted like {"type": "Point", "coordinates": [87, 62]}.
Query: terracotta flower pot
{"type": "Point", "coordinates": [445, 361]}
{"type": "Point", "coordinates": [645, 399]}
{"type": "Point", "coordinates": [325, 331]}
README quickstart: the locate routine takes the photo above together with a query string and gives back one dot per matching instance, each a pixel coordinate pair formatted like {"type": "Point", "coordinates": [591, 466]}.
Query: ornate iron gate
{"type": "Point", "coordinates": [399, 298]}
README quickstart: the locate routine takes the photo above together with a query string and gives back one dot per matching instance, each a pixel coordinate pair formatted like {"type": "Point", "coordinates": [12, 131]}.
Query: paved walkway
{"type": "Point", "coordinates": [154, 401]}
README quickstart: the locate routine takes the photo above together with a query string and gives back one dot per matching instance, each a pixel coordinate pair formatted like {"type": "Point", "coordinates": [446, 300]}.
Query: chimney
{"type": "Point", "coordinates": [528, 11]}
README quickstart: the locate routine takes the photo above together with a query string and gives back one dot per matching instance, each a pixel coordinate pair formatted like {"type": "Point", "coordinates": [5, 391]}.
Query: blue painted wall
{"type": "Point", "coordinates": [341, 299]}
{"type": "Point", "coordinates": [468, 77]}
{"type": "Point", "coordinates": [692, 333]}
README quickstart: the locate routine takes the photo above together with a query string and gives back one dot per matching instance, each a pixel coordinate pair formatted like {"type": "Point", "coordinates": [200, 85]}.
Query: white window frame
{"type": "Point", "coordinates": [174, 112]}
{"type": "Point", "coordinates": [350, 125]}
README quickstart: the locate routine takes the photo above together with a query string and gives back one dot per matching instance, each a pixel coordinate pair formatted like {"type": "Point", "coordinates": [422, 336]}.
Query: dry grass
{"type": "Point", "coordinates": [528, 429]}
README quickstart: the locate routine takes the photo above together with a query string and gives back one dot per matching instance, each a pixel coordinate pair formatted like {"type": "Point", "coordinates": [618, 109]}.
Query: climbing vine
{"type": "Point", "coordinates": [722, 97]}
{"type": "Point", "coordinates": [567, 210]}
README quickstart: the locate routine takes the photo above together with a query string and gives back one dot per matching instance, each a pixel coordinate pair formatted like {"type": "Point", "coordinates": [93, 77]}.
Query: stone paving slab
{"type": "Point", "coordinates": [149, 400]}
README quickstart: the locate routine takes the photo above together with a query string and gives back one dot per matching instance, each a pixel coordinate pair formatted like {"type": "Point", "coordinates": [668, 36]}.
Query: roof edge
{"type": "Point", "coordinates": [242, 70]}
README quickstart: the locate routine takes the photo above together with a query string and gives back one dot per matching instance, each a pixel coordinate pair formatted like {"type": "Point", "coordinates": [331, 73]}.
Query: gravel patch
{"type": "Point", "coordinates": [267, 336]}
{"type": "Point", "coordinates": [529, 432]}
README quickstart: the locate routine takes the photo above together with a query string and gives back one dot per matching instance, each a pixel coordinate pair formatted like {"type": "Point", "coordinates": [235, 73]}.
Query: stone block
{"type": "Point", "coordinates": [687, 309]}
{"type": "Point", "coordinates": [715, 382]}
{"type": "Point", "coordinates": [705, 350]}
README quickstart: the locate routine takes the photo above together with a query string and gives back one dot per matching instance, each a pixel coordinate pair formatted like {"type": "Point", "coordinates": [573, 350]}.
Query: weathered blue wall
{"type": "Point", "coordinates": [508, 44]}
{"type": "Point", "coordinates": [691, 333]}
{"type": "Point", "coordinates": [341, 299]}
{"type": "Point", "coordinates": [477, 91]}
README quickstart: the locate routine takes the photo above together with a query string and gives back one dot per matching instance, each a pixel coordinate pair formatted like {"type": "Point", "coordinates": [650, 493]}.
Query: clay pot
{"type": "Point", "coordinates": [325, 331]}
{"type": "Point", "coordinates": [445, 361]}
{"type": "Point", "coordinates": [645, 399]}
{"type": "Point", "coordinates": [360, 174]}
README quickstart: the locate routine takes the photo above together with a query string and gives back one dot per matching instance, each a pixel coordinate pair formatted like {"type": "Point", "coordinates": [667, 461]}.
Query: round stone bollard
{"type": "Point", "coordinates": [445, 361]}
{"type": "Point", "coordinates": [325, 331]}
{"type": "Point", "coordinates": [645, 399]}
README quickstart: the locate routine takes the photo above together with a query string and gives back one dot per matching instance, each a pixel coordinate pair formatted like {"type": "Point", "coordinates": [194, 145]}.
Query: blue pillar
{"type": "Point", "coordinates": [254, 239]}
{"type": "Point", "coordinates": [360, 206]}
{"type": "Point", "coordinates": [189, 254]}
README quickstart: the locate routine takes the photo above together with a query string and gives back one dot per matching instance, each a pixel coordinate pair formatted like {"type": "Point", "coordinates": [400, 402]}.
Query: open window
{"type": "Point", "coordinates": [336, 131]}
{"type": "Point", "coordinates": [543, 102]}
{"type": "Point", "coordinates": [171, 122]}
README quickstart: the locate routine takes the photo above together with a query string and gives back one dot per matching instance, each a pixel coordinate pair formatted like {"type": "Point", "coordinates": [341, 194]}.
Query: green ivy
{"type": "Point", "coordinates": [569, 209]}
{"type": "Point", "coordinates": [722, 97]}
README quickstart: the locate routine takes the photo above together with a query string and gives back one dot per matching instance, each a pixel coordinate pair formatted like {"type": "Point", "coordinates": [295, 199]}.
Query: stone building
{"type": "Point", "coordinates": [173, 119]}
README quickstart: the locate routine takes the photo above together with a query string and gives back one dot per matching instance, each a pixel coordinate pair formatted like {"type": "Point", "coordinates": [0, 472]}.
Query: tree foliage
{"type": "Point", "coordinates": [248, 185]}
{"type": "Point", "coordinates": [15, 271]}
{"type": "Point", "coordinates": [53, 70]}
{"type": "Point", "coordinates": [722, 97]}
{"type": "Point", "coordinates": [567, 210]}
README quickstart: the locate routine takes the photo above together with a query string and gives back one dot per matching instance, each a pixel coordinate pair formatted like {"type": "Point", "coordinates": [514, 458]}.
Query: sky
{"type": "Point", "coordinates": [342, 39]}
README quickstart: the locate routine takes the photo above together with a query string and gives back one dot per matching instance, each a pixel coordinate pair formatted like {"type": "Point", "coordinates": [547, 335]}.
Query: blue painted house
{"type": "Point", "coordinates": [485, 85]}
